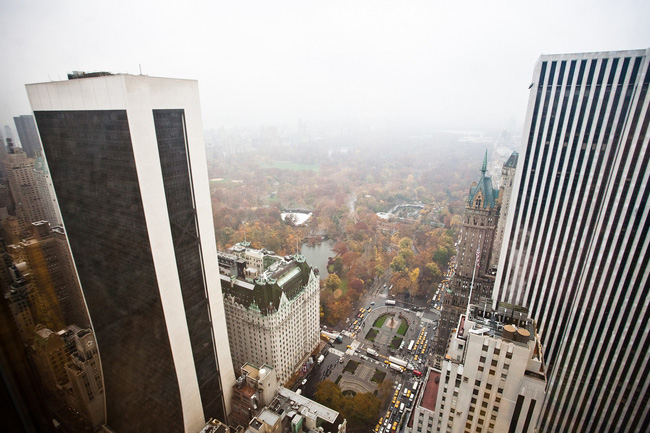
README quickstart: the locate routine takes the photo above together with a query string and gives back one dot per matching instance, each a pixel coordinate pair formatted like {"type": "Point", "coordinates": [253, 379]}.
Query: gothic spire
{"type": "Point", "coordinates": [484, 167]}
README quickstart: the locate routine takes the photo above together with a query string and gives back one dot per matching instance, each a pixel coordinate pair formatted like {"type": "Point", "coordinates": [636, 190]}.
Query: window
{"type": "Point", "coordinates": [481, 359]}
{"type": "Point", "coordinates": [495, 362]}
{"type": "Point", "coordinates": [492, 372]}
{"type": "Point", "coordinates": [497, 352]}
{"type": "Point", "coordinates": [488, 386]}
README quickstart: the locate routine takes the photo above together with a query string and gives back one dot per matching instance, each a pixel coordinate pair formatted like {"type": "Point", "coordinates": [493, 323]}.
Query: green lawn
{"type": "Point", "coordinates": [396, 342]}
{"type": "Point", "coordinates": [288, 165]}
{"type": "Point", "coordinates": [371, 335]}
{"type": "Point", "coordinates": [379, 376]}
{"type": "Point", "coordinates": [380, 321]}
{"type": "Point", "coordinates": [351, 366]}
{"type": "Point", "coordinates": [403, 327]}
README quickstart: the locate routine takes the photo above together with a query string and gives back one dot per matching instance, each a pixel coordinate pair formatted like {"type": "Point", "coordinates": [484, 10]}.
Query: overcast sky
{"type": "Point", "coordinates": [439, 64]}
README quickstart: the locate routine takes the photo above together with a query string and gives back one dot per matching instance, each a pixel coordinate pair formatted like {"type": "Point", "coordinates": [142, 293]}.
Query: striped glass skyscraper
{"type": "Point", "coordinates": [127, 160]}
{"type": "Point", "coordinates": [575, 249]}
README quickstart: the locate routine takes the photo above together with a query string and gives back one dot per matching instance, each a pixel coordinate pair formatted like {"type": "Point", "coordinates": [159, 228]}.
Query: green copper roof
{"type": "Point", "coordinates": [266, 294]}
{"type": "Point", "coordinates": [484, 185]}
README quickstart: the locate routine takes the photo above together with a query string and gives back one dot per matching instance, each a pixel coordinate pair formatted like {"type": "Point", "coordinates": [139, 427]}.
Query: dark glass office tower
{"type": "Point", "coordinates": [28, 135]}
{"type": "Point", "coordinates": [127, 160]}
{"type": "Point", "coordinates": [575, 249]}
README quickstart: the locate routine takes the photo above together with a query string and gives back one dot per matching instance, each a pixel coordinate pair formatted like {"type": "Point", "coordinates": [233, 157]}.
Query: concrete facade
{"type": "Point", "coordinates": [493, 376]}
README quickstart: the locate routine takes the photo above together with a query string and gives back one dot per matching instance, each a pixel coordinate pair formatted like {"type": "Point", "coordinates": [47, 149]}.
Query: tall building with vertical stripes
{"type": "Point", "coordinates": [575, 250]}
{"type": "Point", "coordinates": [127, 161]}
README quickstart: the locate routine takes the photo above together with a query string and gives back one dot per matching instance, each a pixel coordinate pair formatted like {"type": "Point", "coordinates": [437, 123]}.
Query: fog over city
{"type": "Point", "coordinates": [415, 64]}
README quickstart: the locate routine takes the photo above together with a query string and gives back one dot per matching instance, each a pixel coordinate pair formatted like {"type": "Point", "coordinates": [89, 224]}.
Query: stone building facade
{"type": "Point", "coordinates": [273, 319]}
{"type": "Point", "coordinates": [473, 257]}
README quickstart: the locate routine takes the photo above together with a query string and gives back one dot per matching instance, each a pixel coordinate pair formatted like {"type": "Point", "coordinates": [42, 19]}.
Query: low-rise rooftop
{"type": "Point", "coordinates": [506, 321]}
{"type": "Point", "coordinates": [430, 392]}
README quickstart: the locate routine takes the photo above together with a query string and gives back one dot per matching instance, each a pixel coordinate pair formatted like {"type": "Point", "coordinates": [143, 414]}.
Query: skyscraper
{"type": "Point", "coordinates": [29, 205]}
{"type": "Point", "coordinates": [128, 165]}
{"type": "Point", "coordinates": [505, 191]}
{"type": "Point", "coordinates": [475, 248]}
{"type": "Point", "coordinates": [28, 134]}
{"type": "Point", "coordinates": [576, 242]}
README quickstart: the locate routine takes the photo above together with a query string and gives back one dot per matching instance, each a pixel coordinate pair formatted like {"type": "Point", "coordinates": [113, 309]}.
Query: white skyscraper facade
{"type": "Point", "coordinates": [575, 249]}
{"type": "Point", "coordinates": [127, 160]}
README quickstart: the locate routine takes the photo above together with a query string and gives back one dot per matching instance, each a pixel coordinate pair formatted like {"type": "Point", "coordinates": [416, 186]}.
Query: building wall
{"type": "Point", "coordinates": [84, 373]}
{"type": "Point", "coordinates": [281, 339]}
{"type": "Point", "coordinates": [484, 387]}
{"type": "Point", "coordinates": [505, 191]}
{"type": "Point", "coordinates": [29, 204]}
{"type": "Point", "coordinates": [478, 233]}
{"type": "Point", "coordinates": [45, 190]}
{"type": "Point", "coordinates": [28, 135]}
{"type": "Point", "coordinates": [576, 242]}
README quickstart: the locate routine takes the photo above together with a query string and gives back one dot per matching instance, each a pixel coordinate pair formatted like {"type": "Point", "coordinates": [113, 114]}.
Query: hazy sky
{"type": "Point", "coordinates": [441, 64]}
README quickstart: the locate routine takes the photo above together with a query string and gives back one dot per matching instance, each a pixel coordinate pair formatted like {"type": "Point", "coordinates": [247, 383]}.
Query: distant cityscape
{"type": "Point", "coordinates": [158, 277]}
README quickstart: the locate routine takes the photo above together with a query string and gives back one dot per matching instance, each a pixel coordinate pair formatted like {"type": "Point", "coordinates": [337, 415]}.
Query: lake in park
{"type": "Point", "coordinates": [318, 255]}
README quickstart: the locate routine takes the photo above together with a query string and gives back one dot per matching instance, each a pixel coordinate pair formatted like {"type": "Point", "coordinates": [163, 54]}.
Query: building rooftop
{"type": "Point", "coordinates": [485, 188]}
{"type": "Point", "coordinates": [512, 160]}
{"type": "Point", "coordinates": [506, 321]}
{"type": "Point", "coordinates": [310, 406]}
{"type": "Point", "coordinates": [430, 392]}
{"type": "Point", "coordinates": [263, 284]}
{"type": "Point", "coordinates": [268, 416]}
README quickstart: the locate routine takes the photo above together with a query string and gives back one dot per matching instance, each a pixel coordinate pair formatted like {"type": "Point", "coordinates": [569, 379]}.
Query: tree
{"type": "Point", "coordinates": [329, 394]}
{"type": "Point", "coordinates": [333, 282]}
{"type": "Point", "coordinates": [398, 264]}
{"type": "Point", "coordinates": [405, 243]}
{"type": "Point", "coordinates": [365, 409]}
{"type": "Point", "coordinates": [434, 269]}
{"type": "Point", "coordinates": [356, 284]}
{"type": "Point", "coordinates": [385, 390]}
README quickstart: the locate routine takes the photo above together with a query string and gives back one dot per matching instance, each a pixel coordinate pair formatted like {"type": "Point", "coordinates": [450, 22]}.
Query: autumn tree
{"type": "Point", "coordinates": [332, 282]}
{"type": "Point", "coordinates": [360, 411]}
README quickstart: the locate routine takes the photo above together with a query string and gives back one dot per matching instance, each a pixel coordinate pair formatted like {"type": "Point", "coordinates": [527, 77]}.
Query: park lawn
{"type": "Point", "coordinates": [289, 165]}
{"type": "Point", "coordinates": [396, 342]}
{"type": "Point", "coordinates": [380, 321]}
{"type": "Point", "coordinates": [403, 327]}
{"type": "Point", "coordinates": [351, 366]}
{"type": "Point", "coordinates": [379, 376]}
{"type": "Point", "coordinates": [370, 336]}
